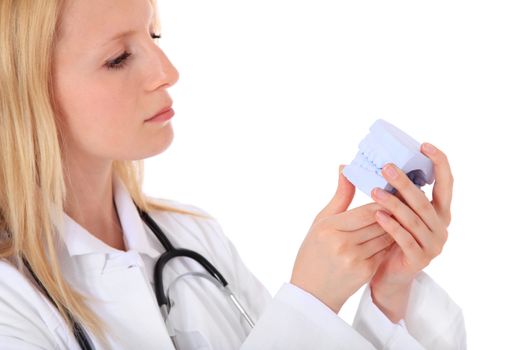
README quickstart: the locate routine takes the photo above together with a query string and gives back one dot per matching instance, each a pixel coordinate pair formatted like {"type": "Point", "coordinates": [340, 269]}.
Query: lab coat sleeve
{"type": "Point", "coordinates": [292, 319]}
{"type": "Point", "coordinates": [295, 319]}
{"type": "Point", "coordinates": [432, 321]}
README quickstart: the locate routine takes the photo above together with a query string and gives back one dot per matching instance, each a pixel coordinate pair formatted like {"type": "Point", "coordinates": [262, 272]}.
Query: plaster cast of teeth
{"type": "Point", "coordinates": [387, 144]}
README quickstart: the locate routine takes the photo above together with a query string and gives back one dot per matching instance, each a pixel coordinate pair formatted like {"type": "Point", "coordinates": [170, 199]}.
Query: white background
{"type": "Point", "coordinates": [273, 95]}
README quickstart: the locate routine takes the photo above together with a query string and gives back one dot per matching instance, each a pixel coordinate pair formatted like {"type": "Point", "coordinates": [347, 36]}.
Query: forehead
{"type": "Point", "coordinates": [93, 22]}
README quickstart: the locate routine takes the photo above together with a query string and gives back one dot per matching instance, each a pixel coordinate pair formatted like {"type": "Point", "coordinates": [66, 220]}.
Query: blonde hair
{"type": "Point", "coordinates": [32, 180]}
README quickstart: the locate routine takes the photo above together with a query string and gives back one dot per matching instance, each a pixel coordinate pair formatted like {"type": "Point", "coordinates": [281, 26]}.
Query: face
{"type": "Point", "coordinates": [107, 87]}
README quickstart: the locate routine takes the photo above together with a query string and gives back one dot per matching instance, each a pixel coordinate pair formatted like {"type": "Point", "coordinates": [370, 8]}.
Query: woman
{"type": "Point", "coordinates": [79, 83]}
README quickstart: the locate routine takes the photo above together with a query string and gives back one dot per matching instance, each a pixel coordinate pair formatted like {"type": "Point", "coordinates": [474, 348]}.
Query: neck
{"type": "Point", "coordinates": [89, 202]}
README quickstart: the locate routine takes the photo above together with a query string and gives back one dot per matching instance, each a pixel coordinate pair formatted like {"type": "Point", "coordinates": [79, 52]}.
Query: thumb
{"type": "Point", "coordinates": [342, 197]}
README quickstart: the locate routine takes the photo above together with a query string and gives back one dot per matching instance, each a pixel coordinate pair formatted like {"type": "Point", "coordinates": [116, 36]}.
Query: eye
{"type": "Point", "coordinates": [121, 61]}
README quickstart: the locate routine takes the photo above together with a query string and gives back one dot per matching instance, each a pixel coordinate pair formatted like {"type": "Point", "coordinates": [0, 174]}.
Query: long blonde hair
{"type": "Point", "coordinates": [32, 181]}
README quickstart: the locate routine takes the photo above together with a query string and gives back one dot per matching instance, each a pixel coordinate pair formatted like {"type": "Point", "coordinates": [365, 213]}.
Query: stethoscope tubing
{"type": "Point", "coordinates": [171, 252]}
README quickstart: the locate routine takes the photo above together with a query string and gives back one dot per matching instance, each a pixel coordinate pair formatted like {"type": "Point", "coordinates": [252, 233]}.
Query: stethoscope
{"type": "Point", "coordinates": [163, 300]}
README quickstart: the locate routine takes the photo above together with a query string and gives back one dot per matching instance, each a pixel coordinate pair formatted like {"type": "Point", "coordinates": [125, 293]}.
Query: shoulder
{"type": "Point", "coordinates": [16, 290]}
{"type": "Point", "coordinates": [194, 230]}
{"type": "Point", "coordinates": [192, 217]}
{"type": "Point", "coordinates": [180, 208]}
{"type": "Point", "coordinates": [24, 311]}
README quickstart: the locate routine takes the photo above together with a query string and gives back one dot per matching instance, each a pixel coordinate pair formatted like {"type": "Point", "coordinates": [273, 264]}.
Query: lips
{"type": "Point", "coordinates": [163, 110]}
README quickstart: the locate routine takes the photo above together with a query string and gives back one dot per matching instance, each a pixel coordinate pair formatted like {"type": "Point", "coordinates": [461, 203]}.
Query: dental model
{"type": "Point", "coordinates": [387, 144]}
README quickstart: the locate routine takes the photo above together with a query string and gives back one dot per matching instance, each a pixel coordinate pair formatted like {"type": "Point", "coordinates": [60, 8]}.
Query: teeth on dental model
{"type": "Point", "coordinates": [387, 144]}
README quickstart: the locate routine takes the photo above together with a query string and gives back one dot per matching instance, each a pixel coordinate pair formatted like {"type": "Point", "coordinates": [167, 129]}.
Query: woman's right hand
{"type": "Point", "coordinates": [342, 249]}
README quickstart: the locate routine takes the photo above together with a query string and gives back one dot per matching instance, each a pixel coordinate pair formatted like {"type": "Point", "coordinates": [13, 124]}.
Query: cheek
{"type": "Point", "coordinates": [98, 116]}
{"type": "Point", "coordinates": [106, 121]}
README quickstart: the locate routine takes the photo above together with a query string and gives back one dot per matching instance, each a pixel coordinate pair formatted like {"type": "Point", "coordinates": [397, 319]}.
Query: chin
{"type": "Point", "coordinates": [154, 145]}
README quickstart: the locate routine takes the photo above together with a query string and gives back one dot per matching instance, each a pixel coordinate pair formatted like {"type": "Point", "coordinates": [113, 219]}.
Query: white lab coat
{"type": "Point", "coordinates": [121, 287]}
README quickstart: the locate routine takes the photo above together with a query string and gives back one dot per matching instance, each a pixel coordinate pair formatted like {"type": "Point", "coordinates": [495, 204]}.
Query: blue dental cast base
{"type": "Point", "coordinates": [387, 144]}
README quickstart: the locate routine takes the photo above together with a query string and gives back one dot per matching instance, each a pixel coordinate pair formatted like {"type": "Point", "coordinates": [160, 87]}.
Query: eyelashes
{"type": "Point", "coordinates": [121, 61]}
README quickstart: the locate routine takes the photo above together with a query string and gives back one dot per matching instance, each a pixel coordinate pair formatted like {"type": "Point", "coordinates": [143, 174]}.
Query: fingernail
{"type": "Point", "coordinates": [381, 216]}
{"type": "Point", "coordinates": [390, 172]}
{"type": "Point", "coordinates": [429, 148]}
{"type": "Point", "coordinates": [379, 193]}
{"type": "Point", "coordinates": [341, 167]}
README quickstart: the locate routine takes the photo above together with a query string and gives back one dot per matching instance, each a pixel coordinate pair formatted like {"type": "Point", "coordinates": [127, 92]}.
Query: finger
{"type": "Point", "coordinates": [412, 195]}
{"type": "Point", "coordinates": [405, 216]}
{"type": "Point", "coordinates": [375, 245]}
{"type": "Point", "coordinates": [442, 192]}
{"type": "Point", "coordinates": [410, 247]}
{"type": "Point", "coordinates": [342, 198]}
{"type": "Point", "coordinates": [367, 233]}
{"type": "Point", "coordinates": [354, 219]}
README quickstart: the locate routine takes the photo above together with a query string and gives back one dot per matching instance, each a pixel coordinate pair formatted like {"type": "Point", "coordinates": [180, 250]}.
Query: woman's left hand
{"type": "Point", "coordinates": [418, 226]}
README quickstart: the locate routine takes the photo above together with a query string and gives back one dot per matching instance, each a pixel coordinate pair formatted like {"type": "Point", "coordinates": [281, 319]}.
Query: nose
{"type": "Point", "coordinates": [164, 72]}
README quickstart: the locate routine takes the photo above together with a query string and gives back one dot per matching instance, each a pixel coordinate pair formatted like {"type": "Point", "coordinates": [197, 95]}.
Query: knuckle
{"type": "Point", "coordinates": [342, 249]}
{"type": "Point", "coordinates": [445, 236]}
{"type": "Point", "coordinates": [403, 184]}
{"type": "Point", "coordinates": [422, 206]}
{"type": "Point", "coordinates": [394, 203]}
{"type": "Point", "coordinates": [359, 215]}
{"type": "Point", "coordinates": [322, 226]}
{"type": "Point", "coordinates": [318, 219]}
{"type": "Point", "coordinates": [425, 207]}
{"type": "Point", "coordinates": [386, 239]}
{"type": "Point", "coordinates": [323, 236]}
{"type": "Point", "coordinates": [412, 244]}
{"type": "Point", "coordinates": [319, 235]}
{"type": "Point", "coordinates": [435, 250]}
{"type": "Point", "coordinates": [372, 209]}
{"type": "Point", "coordinates": [395, 229]}
{"type": "Point", "coordinates": [414, 222]}
{"type": "Point", "coordinates": [422, 258]}
{"type": "Point", "coordinates": [449, 218]}
{"type": "Point", "coordinates": [427, 259]}
{"type": "Point", "coordinates": [349, 261]}
{"type": "Point", "coordinates": [450, 179]}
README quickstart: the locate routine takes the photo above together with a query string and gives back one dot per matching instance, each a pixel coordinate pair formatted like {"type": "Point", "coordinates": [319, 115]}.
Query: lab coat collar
{"type": "Point", "coordinates": [79, 241]}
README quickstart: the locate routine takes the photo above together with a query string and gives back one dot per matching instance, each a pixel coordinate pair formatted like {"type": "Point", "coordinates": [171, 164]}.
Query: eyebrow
{"type": "Point", "coordinates": [119, 36]}
{"type": "Point", "coordinates": [125, 33]}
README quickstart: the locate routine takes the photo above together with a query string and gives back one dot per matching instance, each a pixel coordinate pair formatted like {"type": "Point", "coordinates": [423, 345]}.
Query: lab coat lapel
{"type": "Point", "coordinates": [113, 280]}
{"type": "Point", "coordinates": [135, 235]}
